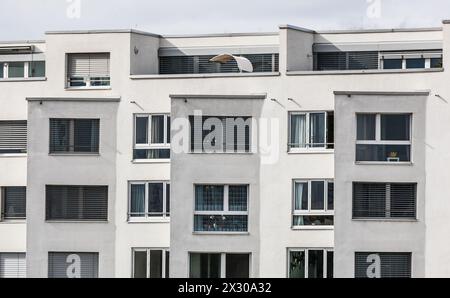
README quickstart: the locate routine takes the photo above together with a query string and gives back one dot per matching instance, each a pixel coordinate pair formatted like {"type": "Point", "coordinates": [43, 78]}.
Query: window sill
{"type": "Point", "coordinates": [221, 233]}
{"type": "Point", "coordinates": [384, 163]}
{"type": "Point", "coordinates": [221, 153]}
{"type": "Point", "coordinates": [75, 154]}
{"type": "Point", "coordinates": [13, 221]}
{"type": "Point", "coordinates": [362, 71]}
{"type": "Point", "coordinates": [315, 228]}
{"type": "Point", "coordinates": [204, 76]}
{"type": "Point", "coordinates": [150, 161]}
{"type": "Point", "coordinates": [77, 221]}
{"type": "Point", "coordinates": [40, 79]}
{"type": "Point", "coordinates": [87, 88]}
{"type": "Point", "coordinates": [149, 221]}
{"type": "Point", "coordinates": [387, 220]}
{"type": "Point", "coordinates": [13, 155]}
{"type": "Point", "coordinates": [312, 151]}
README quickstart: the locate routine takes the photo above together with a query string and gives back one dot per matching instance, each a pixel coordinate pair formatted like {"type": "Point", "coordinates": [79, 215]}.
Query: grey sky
{"type": "Point", "coordinates": [29, 19]}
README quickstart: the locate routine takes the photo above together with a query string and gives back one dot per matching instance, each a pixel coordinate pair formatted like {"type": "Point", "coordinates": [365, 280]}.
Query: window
{"type": "Point", "coordinates": [310, 263]}
{"type": "Point", "coordinates": [13, 202]}
{"type": "Point", "coordinates": [150, 263]}
{"type": "Point", "coordinates": [12, 265]}
{"type": "Point", "coordinates": [384, 200]}
{"type": "Point", "coordinates": [220, 134]}
{"type": "Point", "coordinates": [149, 200]}
{"type": "Point", "coordinates": [313, 130]}
{"type": "Point", "coordinates": [88, 70]}
{"type": "Point", "coordinates": [152, 137]}
{"type": "Point", "coordinates": [383, 137]}
{"type": "Point", "coordinates": [76, 203]}
{"type": "Point", "coordinates": [346, 60]}
{"type": "Point", "coordinates": [219, 265]}
{"type": "Point", "coordinates": [72, 265]}
{"type": "Point", "coordinates": [411, 60]}
{"type": "Point", "coordinates": [382, 265]}
{"type": "Point", "coordinates": [201, 64]}
{"type": "Point", "coordinates": [313, 203]}
{"type": "Point", "coordinates": [13, 137]}
{"type": "Point", "coordinates": [74, 135]}
{"type": "Point", "coordinates": [221, 208]}
{"type": "Point", "coordinates": [20, 69]}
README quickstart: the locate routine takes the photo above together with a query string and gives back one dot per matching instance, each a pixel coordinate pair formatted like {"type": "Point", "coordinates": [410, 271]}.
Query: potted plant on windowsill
{"type": "Point", "coordinates": [393, 157]}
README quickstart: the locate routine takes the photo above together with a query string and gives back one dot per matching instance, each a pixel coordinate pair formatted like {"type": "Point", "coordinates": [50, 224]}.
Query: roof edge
{"type": "Point", "coordinates": [102, 31]}
{"type": "Point", "coordinates": [297, 28]}
{"type": "Point", "coordinates": [65, 99]}
{"type": "Point", "coordinates": [219, 96]}
{"type": "Point", "coordinates": [392, 93]}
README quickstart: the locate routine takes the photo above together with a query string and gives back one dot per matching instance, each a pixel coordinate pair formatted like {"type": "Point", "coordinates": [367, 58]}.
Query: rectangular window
{"type": "Point", "coordinates": [383, 137]}
{"type": "Point", "coordinates": [384, 200]}
{"type": "Point", "coordinates": [219, 265]}
{"type": "Point", "coordinates": [12, 265]}
{"type": "Point", "coordinates": [346, 60]}
{"type": "Point", "coordinates": [88, 70]}
{"type": "Point", "coordinates": [411, 60]}
{"type": "Point", "coordinates": [221, 208]}
{"type": "Point", "coordinates": [76, 203]}
{"type": "Point", "coordinates": [313, 203]}
{"type": "Point", "coordinates": [310, 263]}
{"type": "Point", "coordinates": [36, 69]}
{"type": "Point", "coordinates": [16, 69]}
{"type": "Point", "coordinates": [201, 64]}
{"type": "Point", "coordinates": [393, 64]}
{"type": "Point", "coordinates": [220, 134]}
{"type": "Point", "coordinates": [382, 265]}
{"type": "Point", "coordinates": [13, 202]}
{"type": "Point", "coordinates": [311, 130]}
{"type": "Point", "coordinates": [13, 137]}
{"type": "Point", "coordinates": [152, 136]}
{"type": "Point", "coordinates": [436, 63]}
{"type": "Point", "coordinates": [72, 265]}
{"type": "Point", "coordinates": [74, 135]}
{"type": "Point", "coordinates": [149, 200]}
{"type": "Point", "coordinates": [415, 63]}
{"type": "Point", "coordinates": [150, 263]}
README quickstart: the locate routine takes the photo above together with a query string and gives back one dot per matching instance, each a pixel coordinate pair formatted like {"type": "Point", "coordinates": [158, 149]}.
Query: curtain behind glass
{"type": "Point", "coordinates": [298, 131]}
{"type": "Point", "coordinates": [158, 129]}
{"type": "Point", "coordinates": [317, 129]}
{"type": "Point", "coordinates": [137, 200]}
{"type": "Point", "coordinates": [301, 196]}
{"type": "Point", "coordinates": [365, 124]}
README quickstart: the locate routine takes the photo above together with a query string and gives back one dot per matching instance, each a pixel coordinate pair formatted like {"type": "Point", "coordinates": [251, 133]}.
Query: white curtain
{"type": "Point", "coordinates": [298, 131]}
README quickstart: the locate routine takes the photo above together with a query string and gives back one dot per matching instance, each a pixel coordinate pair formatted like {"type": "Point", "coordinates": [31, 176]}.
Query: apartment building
{"type": "Point", "coordinates": [131, 154]}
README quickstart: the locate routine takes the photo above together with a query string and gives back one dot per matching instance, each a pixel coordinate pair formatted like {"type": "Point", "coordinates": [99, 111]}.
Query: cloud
{"type": "Point", "coordinates": [29, 19]}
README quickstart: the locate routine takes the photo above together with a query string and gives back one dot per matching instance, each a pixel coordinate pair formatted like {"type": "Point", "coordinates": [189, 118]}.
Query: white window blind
{"type": "Point", "coordinates": [382, 265]}
{"type": "Point", "coordinates": [12, 265]}
{"type": "Point", "coordinates": [89, 69]}
{"type": "Point", "coordinates": [72, 265]}
{"type": "Point", "coordinates": [13, 136]}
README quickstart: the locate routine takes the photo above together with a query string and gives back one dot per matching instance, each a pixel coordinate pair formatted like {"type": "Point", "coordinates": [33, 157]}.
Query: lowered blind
{"type": "Point", "coordinates": [346, 60]}
{"type": "Point", "coordinates": [89, 65]}
{"type": "Point", "coordinates": [74, 135]}
{"type": "Point", "coordinates": [72, 265]}
{"type": "Point", "coordinates": [382, 265]}
{"type": "Point", "coordinates": [12, 265]}
{"type": "Point", "coordinates": [84, 203]}
{"type": "Point", "coordinates": [13, 136]}
{"type": "Point", "coordinates": [201, 64]}
{"type": "Point", "coordinates": [14, 203]}
{"type": "Point", "coordinates": [234, 134]}
{"type": "Point", "coordinates": [384, 200]}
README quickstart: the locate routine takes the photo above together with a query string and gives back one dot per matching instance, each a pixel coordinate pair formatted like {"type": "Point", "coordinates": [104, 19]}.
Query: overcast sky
{"type": "Point", "coordinates": [29, 19]}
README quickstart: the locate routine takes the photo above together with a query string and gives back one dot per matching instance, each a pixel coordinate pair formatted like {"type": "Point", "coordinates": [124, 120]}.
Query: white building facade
{"type": "Point", "coordinates": [117, 160]}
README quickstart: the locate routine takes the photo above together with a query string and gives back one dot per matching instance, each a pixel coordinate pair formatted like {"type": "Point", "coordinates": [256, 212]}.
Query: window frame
{"type": "Point", "coordinates": [378, 140]}
{"type": "Point", "coordinates": [308, 146]}
{"type": "Point", "coordinates": [223, 261]}
{"type": "Point", "coordinates": [146, 217]}
{"type": "Point", "coordinates": [310, 212]}
{"type": "Point", "coordinates": [88, 79]}
{"type": "Point", "coordinates": [165, 254]}
{"type": "Point", "coordinates": [26, 69]}
{"type": "Point", "coordinates": [306, 251]}
{"type": "Point", "coordinates": [3, 217]}
{"type": "Point", "coordinates": [404, 56]}
{"type": "Point", "coordinates": [225, 210]}
{"type": "Point", "coordinates": [149, 145]}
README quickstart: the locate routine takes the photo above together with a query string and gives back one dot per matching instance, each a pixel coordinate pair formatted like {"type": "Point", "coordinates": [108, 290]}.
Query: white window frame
{"type": "Point", "coordinates": [149, 144]}
{"type": "Point", "coordinates": [223, 261]}
{"type": "Point", "coordinates": [306, 251]}
{"type": "Point", "coordinates": [87, 80]}
{"type": "Point", "coordinates": [5, 65]}
{"type": "Point", "coordinates": [225, 210]}
{"type": "Point", "coordinates": [308, 132]}
{"type": "Point", "coordinates": [409, 55]}
{"type": "Point", "coordinates": [378, 140]}
{"type": "Point", "coordinates": [309, 211]}
{"type": "Point", "coordinates": [147, 217]}
{"type": "Point", "coordinates": [148, 250]}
